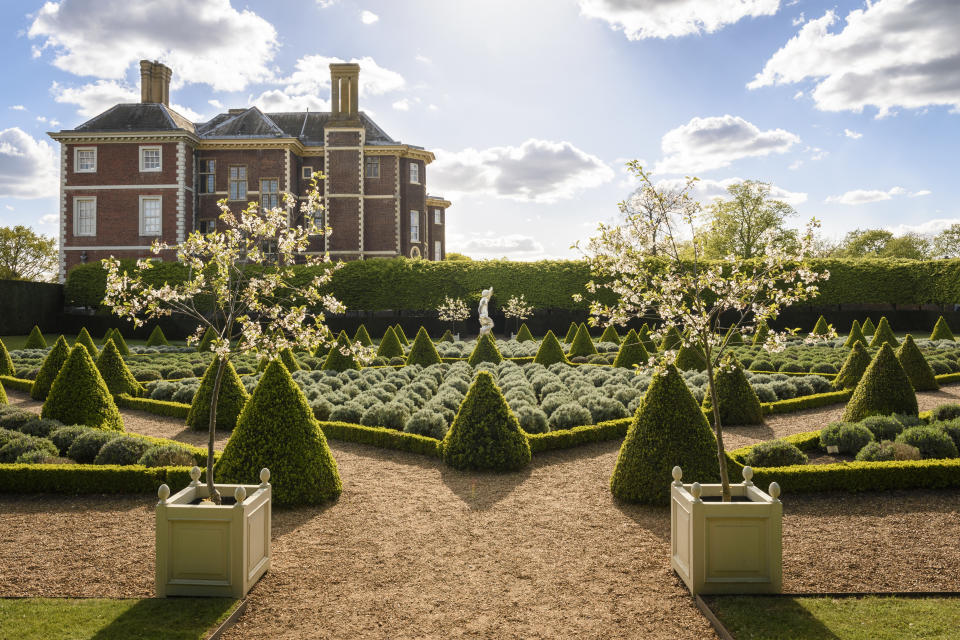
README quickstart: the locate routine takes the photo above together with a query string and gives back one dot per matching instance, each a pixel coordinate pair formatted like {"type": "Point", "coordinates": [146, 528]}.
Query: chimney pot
{"type": "Point", "coordinates": [155, 82]}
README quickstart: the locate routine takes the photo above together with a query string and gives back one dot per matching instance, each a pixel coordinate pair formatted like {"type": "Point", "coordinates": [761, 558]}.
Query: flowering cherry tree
{"type": "Point", "coordinates": [240, 283]}
{"type": "Point", "coordinates": [453, 310]}
{"type": "Point", "coordinates": [678, 288]}
{"type": "Point", "coordinates": [518, 308]}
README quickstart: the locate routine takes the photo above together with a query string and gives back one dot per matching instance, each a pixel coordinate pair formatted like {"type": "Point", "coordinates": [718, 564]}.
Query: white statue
{"type": "Point", "coordinates": [486, 324]}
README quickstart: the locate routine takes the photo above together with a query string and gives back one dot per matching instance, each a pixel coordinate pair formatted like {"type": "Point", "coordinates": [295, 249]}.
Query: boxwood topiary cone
{"type": "Point", "coordinates": [80, 396]}
{"type": "Point", "coordinates": [763, 331]}
{"type": "Point", "coordinates": [336, 360]}
{"type": "Point", "coordinates": [918, 369]}
{"type": "Point", "coordinates": [277, 430]}
{"type": "Point", "coordinates": [884, 334]}
{"type": "Point", "coordinates": [363, 337]}
{"type": "Point", "coordinates": [856, 335]}
{"type": "Point", "coordinates": [3, 396]}
{"type": "Point", "coordinates": [208, 337]}
{"type": "Point", "coordinates": [646, 340]}
{"type": "Point", "coordinates": [737, 399]}
{"type": "Point", "coordinates": [485, 434]}
{"type": "Point", "coordinates": [853, 367]}
{"type": "Point", "coordinates": [84, 338]}
{"type": "Point", "coordinates": [390, 346]}
{"type": "Point", "coordinates": [106, 336]}
{"type": "Point", "coordinates": [582, 344]}
{"type": "Point", "coordinates": [321, 351]}
{"type": "Point", "coordinates": [289, 360]}
{"type": "Point", "coordinates": [941, 330]}
{"type": "Point", "coordinates": [232, 398]}
{"type": "Point", "coordinates": [523, 333]}
{"type": "Point", "coordinates": [671, 340]}
{"type": "Point", "coordinates": [49, 369]}
{"type": "Point", "coordinates": [35, 340]}
{"type": "Point", "coordinates": [401, 336]}
{"type": "Point", "coordinates": [821, 328]}
{"type": "Point", "coordinates": [446, 337]}
{"type": "Point", "coordinates": [631, 353]}
{"type": "Point", "coordinates": [157, 339]}
{"type": "Point", "coordinates": [631, 337]}
{"type": "Point", "coordinates": [571, 333]}
{"type": "Point", "coordinates": [117, 339]}
{"type": "Point", "coordinates": [610, 335]}
{"type": "Point", "coordinates": [115, 373]}
{"type": "Point", "coordinates": [690, 359]}
{"type": "Point", "coordinates": [883, 389]}
{"type": "Point", "coordinates": [668, 429]}
{"type": "Point", "coordinates": [550, 351]}
{"type": "Point", "coordinates": [6, 363]}
{"type": "Point", "coordinates": [485, 351]}
{"type": "Point", "coordinates": [868, 328]}
{"type": "Point", "coordinates": [734, 338]}
{"type": "Point", "coordinates": [423, 352]}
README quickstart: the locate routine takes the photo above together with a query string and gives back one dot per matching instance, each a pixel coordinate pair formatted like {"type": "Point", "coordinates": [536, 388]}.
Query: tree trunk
{"type": "Point", "coordinates": [214, 400]}
{"type": "Point", "coordinates": [718, 428]}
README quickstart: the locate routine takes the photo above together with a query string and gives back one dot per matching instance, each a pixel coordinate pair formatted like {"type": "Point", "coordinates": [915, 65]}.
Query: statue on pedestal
{"type": "Point", "coordinates": [486, 324]}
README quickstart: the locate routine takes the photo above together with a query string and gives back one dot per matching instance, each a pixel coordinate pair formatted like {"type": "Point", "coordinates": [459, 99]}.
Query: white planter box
{"type": "Point", "coordinates": [210, 550]}
{"type": "Point", "coordinates": [726, 547]}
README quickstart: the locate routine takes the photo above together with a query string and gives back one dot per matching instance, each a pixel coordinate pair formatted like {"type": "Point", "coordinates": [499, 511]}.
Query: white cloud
{"type": "Point", "coordinates": [639, 19]}
{"type": "Point", "coordinates": [18, 107]}
{"type": "Point", "coordinates": [930, 227]}
{"type": "Point", "coordinates": [798, 95]}
{"type": "Point", "coordinates": [536, 171]}
{"type": "Point", "coordinates": [279, 101]}
{"type": "Point", "coordinates": [865, 196]}
{"type": "Point", "coordinates": [512, 245]}
{"type": "Point", "coordinates": [216, 104]}
{"type": "Point", "coordinates": [50, 219]}
{"type": "Point", "coordinates": [326, 4]}
{"type": "Point", "coordinates": [423, 59]}
{"type": "Point", "coordinates": [95, 98]}
{"type": "Point", "coordinates": [402, 104]}
{"type": "Point", "coordinates": [368, 17]}
{"type": "Point", "coordinates": [203, 41]}
{"type": "Point", "coordinates": [852, 134]}
{"type": "Point", "coordinates": [799, 20]}
{"type": "Point", "coordinates": [891, 54]}
{"type": "Point", "coordinates": [706, 190]}
{"type": "Point", "coordinates": [28, 167]}
{"type": "Point", "coordinates": [711, 143]}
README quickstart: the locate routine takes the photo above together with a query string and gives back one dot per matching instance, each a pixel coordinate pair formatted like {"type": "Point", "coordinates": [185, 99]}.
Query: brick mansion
{"type": "Point", "coordinates": [141, 172]}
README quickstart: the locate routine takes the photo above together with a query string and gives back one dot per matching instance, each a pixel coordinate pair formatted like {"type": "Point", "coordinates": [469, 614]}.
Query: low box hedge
{"type": "Point", "coordinates": [81, 478]}
{"type": "Point", "coordinates": [568, 438]}
{"type": "Point", "coordinates": [382, 437]}
{"type": "Point", "coordinates": [9, 382]}
{"type": "Point", "coordinates": [157, 407]}
{"type": "Point", "coordinates": [805, 402]}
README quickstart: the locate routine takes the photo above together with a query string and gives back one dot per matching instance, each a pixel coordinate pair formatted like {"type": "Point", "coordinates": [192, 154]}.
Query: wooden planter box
{"type": "Point", "coordinates": [210, 550]}
{"type": "Point", "coordinates": [732, 547]}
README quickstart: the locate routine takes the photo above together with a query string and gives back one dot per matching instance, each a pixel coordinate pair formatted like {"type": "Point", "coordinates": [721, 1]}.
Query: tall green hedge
{"type": "Point", "coordinates": [80, 396]}
{"type": "Point", "coordinates": [49, 369]}
{"type": "Point", "coordinates": [231, 400]}
{"type": "Point", "coordinates": [35, 340]}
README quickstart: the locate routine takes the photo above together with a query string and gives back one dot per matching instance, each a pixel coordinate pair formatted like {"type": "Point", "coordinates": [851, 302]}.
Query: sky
{"type": "Point", "coordinates": [849, 109]}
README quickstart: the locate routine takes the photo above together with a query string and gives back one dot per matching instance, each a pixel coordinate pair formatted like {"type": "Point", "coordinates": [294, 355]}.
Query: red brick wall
{"type": "Point", "coordinates": [262, 163]}
{"type": "Point", "coordinates": [384, 185]}
{"type": "Point", "coordinates": [73, 258]}
{"type": "Point", "coordinates": [412, 197]}
{"type": "Point", "coordinates": [118, 217]}
{"type": "Point", "coordinates": [119, 163]}
{"type": "Point", "coordinates": [379, 224]}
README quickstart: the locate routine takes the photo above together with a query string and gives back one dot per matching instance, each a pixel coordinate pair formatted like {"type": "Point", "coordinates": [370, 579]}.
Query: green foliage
{"type": "Point", "coordinates": [883, 389]}
{"type": "Point", "coordinates": [884, 334]}
{"type": "Point", "coordinates": [671, 340]}
{"type": "Point", "coordinates": [941, 330]}
{"type": "Point", "coordinates": [569, 438]}
{"type": "Point", "coordinates": [918, 369]}
{"type": "Point", "coordinates": [382, 438]}
{"type": "Point", "coordinates": [63, 437]}
{"type": "Point", "coordinates": [760, 336]}
{"type": "Point", "coordinates": [229, 403]}
{"type": "Point", "coordinates": [886, 451]}
{"type": "Point", "coordinates": [80, 396]}
{"type": "Point", "coordinates": [84, 338]}
{"type": "Point", "coordinates": [208, 337]}
{"type": "Point", "coordinates": [737, 399]}
{"type": "Point", "coordinates": [883, 427]}
{"type": "Point", "coordinates": [321, 351]}
{"type": "Point", "coordinates": [35, 340]}
{"type": "Point", "coordinates": [853, 367]}
{"type": "Point", "coordinates": [157, 407]}
{"type": "Point", "coordinates": [423, 351]}
{"type": "Point", "coordinates": [610, 335]}
{"type": "Point", "coordinates": [523, 334]}
{"type": "Point", "coordinates": [336, 360]}
{"type": "Point", "coordinates": [289, 360]}
{"type": "Point", "coordinates": [485, 351]}
{"type": "Point", "coordinates": [631, 336]}
{"type": "Point", "coordinates": [49, 369]}
{"type": "Point", "coordinates": [277, 430]}
{"type": "Point", "coordinates": [82, 479]}
{"type": "Point", "coordinates": [3, 396]}
{"type": "Point", "coordinates": [821, 328]}
{"type": "Point", "coordinates": [690, 359]}
{"type": "Point", "coordinates": [644, 336]}
{"type": "Point", "coordinates": [6, 363]}
{"type": "Point", "coordinates": [734, 338]}
{"type": "Point", "coordinates": [120, 343]}
{"type": "Point", "coordinates": [582, 344]}
{"type": "Point", "coordinates": [24, 446]}
{"type": "Point", "coordinates": [550, 351]}
{"type": "Point", "coordinates": [856, 335]}
{"type": "Point", "coordinates": [668, 429]}
{"type": "Point", "coordinates": [390, 346]}
{"type": "Point", "coordinates": [775, 453]}
{"type": "Point", "coordinates": [115, 373]}
{"type": "Point", "coordinates": [867, 326]}
{"type": "Point", "coordinates": [630, 354]}
{"type": "Point", "coordinates": [401, 336]}
{"type": "Point", "coordinates": [447, 336]}
{"type": "Point", "coordinates": [122, 450]}
{"type": "Point", "coordinates": [87, 445]}
{"type": "Point", "coordinates": [485, 434]}
{"type": "Point", "coordinates": [571, 333]}
{"type": "Point", "coordinates": [167, 455]}
{"type": "Point", "coordinates": [363, 337]}
{"type": "Point", "coordinates": [157, 338]}
{"type": "Point", "coordinates": [848, 437]}
{"type": "Point", "coordinates": [932, 442]}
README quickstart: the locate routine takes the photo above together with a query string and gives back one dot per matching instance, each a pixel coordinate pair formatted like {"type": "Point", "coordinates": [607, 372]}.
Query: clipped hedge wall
{"type": "Point", "coordinates": [157, 407]}
{"type": "Point", "coordinates": [382, 437]}
{"type": "Point", "coordinates": [26, 385]}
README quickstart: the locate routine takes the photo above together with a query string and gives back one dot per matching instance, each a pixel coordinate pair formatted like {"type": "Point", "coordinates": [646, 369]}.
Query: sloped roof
{"type": "Point", "coordinates": [138, 117]}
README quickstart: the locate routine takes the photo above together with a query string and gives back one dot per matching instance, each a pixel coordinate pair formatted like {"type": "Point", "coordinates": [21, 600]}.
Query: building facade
{"type": "Point", "coordinates": [141, 172]}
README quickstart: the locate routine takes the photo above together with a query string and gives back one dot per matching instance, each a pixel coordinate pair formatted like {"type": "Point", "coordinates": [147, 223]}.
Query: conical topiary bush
{"type": "Point", "coordinates": [49, 369]}
{"type": "Point", "coordinates": [884, 334]}
{"type": "Point", "coordinates": [941, 330]}
{"type": "Point", "coordinates": [646, 340]}
{"type": "Point", "coordinates": [231, 399]}
{"type": "Point", "coordinates": [690, 359]}
{"type": "Point", "coordinates": [84, 338]}
{"type": "Point", "coordinates": [856, 335]}
{"type": "Point", "coordinates": [320, 351]}
{"type": "Point", "coordinates": [115, 373]}
{"type": "Point", "coordinates": [761, 334]}
{"type": "Point", "coordinates": [630, 354]}
{"type": "Point", "coordinates": [80, 396]}
{"type": "Point", "coordinates": [289, 360]}
{"type": "Point", "coordinates": [737, 399]}
{"type": "Point", "coordinates": [523, 334]}
{"type": "Point", "coordinates": [668, 429]}
{"type": "Point", "coordinates": [3, 396]}
{"type": "Point", "coordinates": [363, 337]}
{"type": "Point", "coordinates": [671, 340]}
{"type": "Point", "coordinates": [423, 352]}
{"type": "Point", "coordinates": [277, 430]}
{"type": "Point", "coordinates": [821, 328]}
{"type": "Point", "coordinates": [401, 336]}
{"type": "Point", "coordinates": [485, 434]}
{"type": "Point", "coordinates": [485, 351]}
{"type": "Point", "coordinates": [631, 336]}
{"type": "Point", "coordinates": [853, 367]}
{"type": "Point", "coordinates": [208, 337]}
{"type": "Point", "coordinates": [550, 351]}
{"type": "Point", "coordinates": [734, 338]}
{"type": "Point", "coordinates": [117, 339]}
{"type": "Point", "coordinates": [6, 363]}
{"type": "Point", "coordinates": [157, 338]}
{"type": "Point", "coordinates": [582, 344]}
{"type": "Point", "coordinates": [390, 346]}
{"type": "Point", "coordinates": [918, 369]}
{"type": "Point", "coordinates": [610, 335]}
{"type": "Point", "coordinates": [336, 359]}
{"type": "Point", "coordinates": [107, 335]}
{"type": "Point", "coordinates": [571, 333]}
{"type": "Point", "coordinates": [35, 340]}
{"type": "Point", "coordinates": [868, 328]}
{"type": "Point", "coordinates": [883, 389]}
{"type": "Point", "coordinates": [446, 337]}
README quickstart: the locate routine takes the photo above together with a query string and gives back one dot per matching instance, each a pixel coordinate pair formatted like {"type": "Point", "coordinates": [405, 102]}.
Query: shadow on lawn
{"type": "Point", "coordinates": [169, 618]}
{"type": "Point", "coordinates": [768, 617]}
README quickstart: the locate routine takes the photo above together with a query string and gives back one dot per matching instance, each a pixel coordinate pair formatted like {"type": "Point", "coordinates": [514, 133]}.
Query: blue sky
{"type": "Point", "coordinates": [850, 109]}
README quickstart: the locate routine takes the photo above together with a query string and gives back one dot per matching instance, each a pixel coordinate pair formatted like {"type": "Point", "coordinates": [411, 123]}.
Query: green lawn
{"type": "Point", "coordinates": [821, 618]}
{"type": "Point", "coordinates": [100, 619]}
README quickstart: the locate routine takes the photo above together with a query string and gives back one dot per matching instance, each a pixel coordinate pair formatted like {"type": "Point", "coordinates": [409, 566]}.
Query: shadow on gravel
{"type": "Point", "coordinates": [481, 490]}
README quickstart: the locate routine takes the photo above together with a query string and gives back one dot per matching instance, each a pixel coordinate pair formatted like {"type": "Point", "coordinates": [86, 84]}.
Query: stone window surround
{"type": "Point", "coordinates": [76, 218]}
{"type": "Point", "coordinates": [159, 200]}
{"type": "Point", "coordinates": [151, 147]}
{"type": "Point", "coordinates": [76, 159]}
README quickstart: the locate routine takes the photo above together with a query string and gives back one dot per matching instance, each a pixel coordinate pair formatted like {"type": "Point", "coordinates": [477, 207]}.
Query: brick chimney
{"type": "Point", "coordinates": [344, 90]}
{"type": "Point", "coordinates": [155, 82]}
